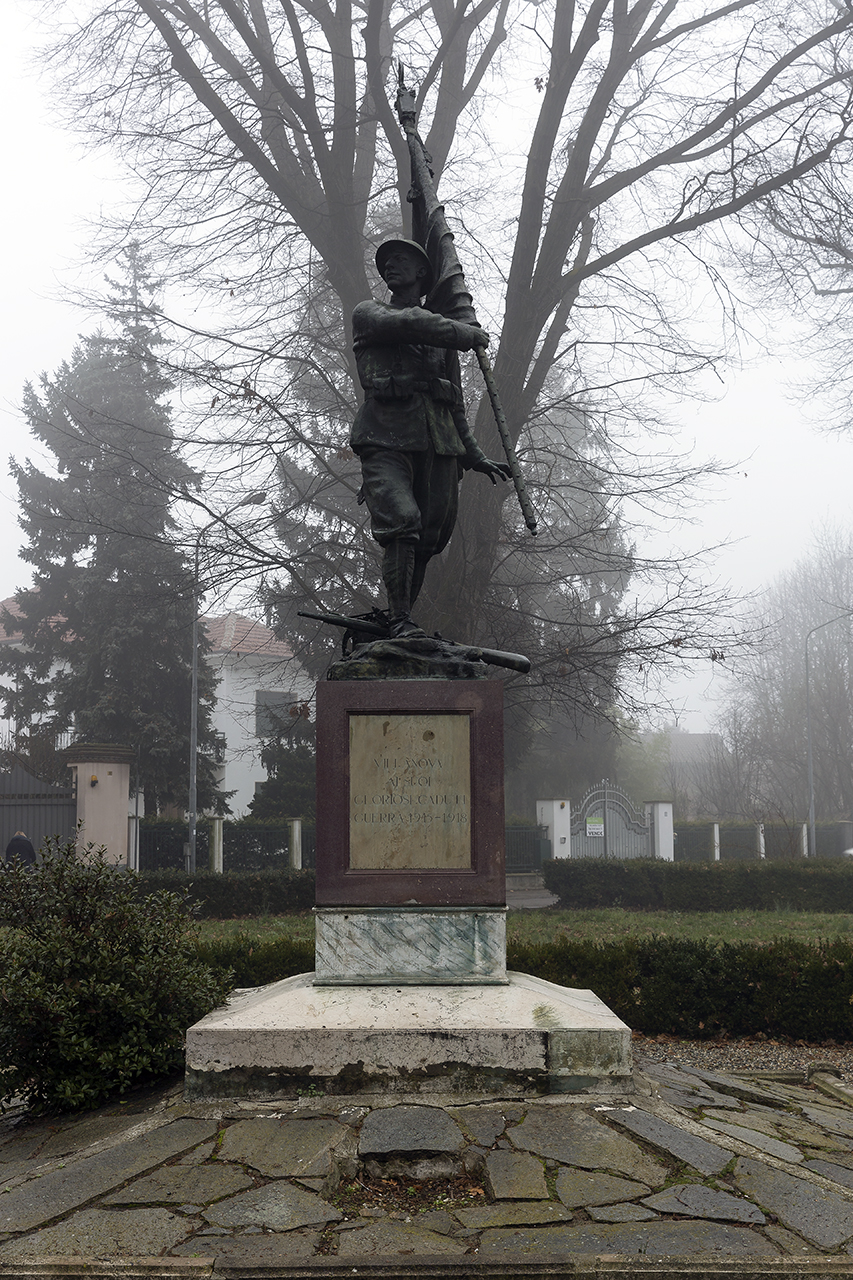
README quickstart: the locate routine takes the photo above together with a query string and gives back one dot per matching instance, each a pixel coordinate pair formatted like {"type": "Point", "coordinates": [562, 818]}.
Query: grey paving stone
{"type": "Point", "coordinates": [58, 1192]}
{"type": "Point", "coordinates": [572, 1136]}
{"type": "Point", "coordinates": [699, 1154]}
{"type": "Point", "coordinates": [788, 1242]}
{"type": "Point", "coordinates": [835, 1172]}
{"type": "Point", "coordinates": [578, 1189]}
{"type": "Point", "coordinates": [843, 1158]}
{"type": "Point", "coordinates": [78, 1134]}
{"type": "Point", "coordinates": [690, 1101]}
{"type": "Point", "coordinates": [621, 1213]}
{"type": "Point", "coordinates": [782, 1124]}
{"type": "Point", "coordinates": [746, 1090]}
{"type": "Point", "coordinates": [703, 1202]}
{"type": "Point", "coordinates": [485, 1124]}
{"type": "Point", "coordinates": [22, 1143]}
{"type": "Point", "coordinates": [437, 1220]}
{"type": "Point", "coordinates": [835, 1119]}
{"type": "Point", "coordinates": [382, 1239]}
{"type": "Point", "coordinates": [277, 1206]}
{"type": "Point", "coordinates": [199, 1155]}
{"type": "Point", "coordinates": [283, 1148]}
{"type": "Point", "coordinates": [512, 1215]}
{"type": "Point", "coordinates": [824, 1218]}
{"type": "Point", "coordinates": [761, 1141]}
{"type": "Point", "coordinates": [673, 1084]}
{"type": "Point", "coordinates": [407, 1128]}
{"type": "Point", "coordinates": [665, 1239]}
{"type": "Point", "coordinates": [251, 1251]}
{"type": "Point", "coordinates": [102, 1233]}
{"type": "Point", "coordinates": [515, 1175]}
{"type": "Point", "coordinates": [176, 1184]}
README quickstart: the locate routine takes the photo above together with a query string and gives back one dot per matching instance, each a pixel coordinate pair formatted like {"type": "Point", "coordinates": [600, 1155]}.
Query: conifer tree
{"type": "Point", "coordinates": [107, 622]}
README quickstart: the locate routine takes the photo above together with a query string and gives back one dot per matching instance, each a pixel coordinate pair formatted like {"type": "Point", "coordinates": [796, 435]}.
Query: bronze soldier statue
{"type": "Point", "coordinates": [411, 433]}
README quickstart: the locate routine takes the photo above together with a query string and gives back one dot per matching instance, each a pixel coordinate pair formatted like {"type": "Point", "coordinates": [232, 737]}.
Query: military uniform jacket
{"type": "Point", "coordinates": [409, 368]}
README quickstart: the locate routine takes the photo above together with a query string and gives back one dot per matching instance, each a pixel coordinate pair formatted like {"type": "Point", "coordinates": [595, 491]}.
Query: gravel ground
{"type": "Point", "coordinates": [744, 1055]}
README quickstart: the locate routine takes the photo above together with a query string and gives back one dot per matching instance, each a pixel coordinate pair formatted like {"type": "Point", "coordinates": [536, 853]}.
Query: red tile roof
{"type": "Point", "coordinates": [232, 633]}
{"type": "Point", "coordinates": [235, 633]}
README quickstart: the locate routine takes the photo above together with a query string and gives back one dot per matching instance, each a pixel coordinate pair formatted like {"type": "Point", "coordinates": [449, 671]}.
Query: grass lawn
{"type": "Point", "coordinates": [602, 925]}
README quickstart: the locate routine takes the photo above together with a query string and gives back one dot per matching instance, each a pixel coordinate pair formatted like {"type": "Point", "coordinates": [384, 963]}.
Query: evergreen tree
{"type": "Point", "coordinates": [107, 622]}
{"type": "Point", "coordinates": [290, 759]}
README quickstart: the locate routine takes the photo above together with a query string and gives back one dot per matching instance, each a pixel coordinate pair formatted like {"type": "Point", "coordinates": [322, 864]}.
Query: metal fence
{"type": "Point", "coordinates": [245, 846]}
{"type": "Point", "coordinates": [526, 849]}
{"type": "Point", "coordinates": [250, 847]}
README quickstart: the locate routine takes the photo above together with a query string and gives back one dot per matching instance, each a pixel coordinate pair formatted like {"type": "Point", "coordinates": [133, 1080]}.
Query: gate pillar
{"type": "Point", "coordinates": [659, 818]}
{"type": "Point", "coordinates": [556, 815]}
{"type": "Point", "coordinates": [102, 773]}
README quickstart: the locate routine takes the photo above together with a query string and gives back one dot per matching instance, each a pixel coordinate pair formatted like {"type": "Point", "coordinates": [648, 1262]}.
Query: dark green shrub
{"type": "Point", "coordinates": [700, 989]}
{"type": "Point", "coordinates": [253, 963]}
{"type": "Point", "coordinates": [237, 893]}
{"type": "Point", "coordinates": [97, 983]}
{"type": "Point", "coordinates": [653, 885]}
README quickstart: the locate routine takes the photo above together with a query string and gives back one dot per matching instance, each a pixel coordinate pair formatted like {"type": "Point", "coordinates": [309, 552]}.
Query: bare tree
{"type": "Point", "coordinates": [763, 718]}
{"type": "Point", "coordinates": [594, 150]}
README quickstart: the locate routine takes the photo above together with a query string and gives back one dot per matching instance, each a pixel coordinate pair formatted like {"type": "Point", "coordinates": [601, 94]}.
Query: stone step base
{"type": "Point", "coordinates": [529, 1036]}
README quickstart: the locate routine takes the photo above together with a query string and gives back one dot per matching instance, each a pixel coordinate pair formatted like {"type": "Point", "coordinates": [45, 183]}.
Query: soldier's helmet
{"type": "Point", "coordinates": [385, 249]}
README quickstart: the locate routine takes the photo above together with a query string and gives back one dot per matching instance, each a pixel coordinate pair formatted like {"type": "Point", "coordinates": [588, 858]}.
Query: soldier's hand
{"type": "Point", "coordinates": [494, 470]}
{"type": "Point", "coordinates": [471, 336]}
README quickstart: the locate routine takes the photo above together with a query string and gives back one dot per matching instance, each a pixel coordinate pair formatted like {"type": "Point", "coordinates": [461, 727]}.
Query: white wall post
{"type": "Point", "coordinates": [759, 840]}
{"type": "Point", "coordinates": [215, 853]}
{"type": "Point", "coordinates": [659, 818]}
{"type": "Point", "coordinates": [716, 842]}
{"type": "Point", "coordinates": [102, 775]}
{"type": "Point", "coordinates": [556, 816]}
{"type": "Point", "coordinates": [296, 843]}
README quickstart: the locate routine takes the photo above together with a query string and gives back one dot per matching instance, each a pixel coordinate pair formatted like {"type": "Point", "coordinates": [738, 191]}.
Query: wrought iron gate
{"type": "Point", "coordinates": [30, 805]}
{"type": "Point", "coordinates": [607, 825]}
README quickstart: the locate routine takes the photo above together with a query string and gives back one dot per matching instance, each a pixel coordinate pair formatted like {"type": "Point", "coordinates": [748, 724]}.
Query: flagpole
{"type": "Point", "coordinates": [463, 309]}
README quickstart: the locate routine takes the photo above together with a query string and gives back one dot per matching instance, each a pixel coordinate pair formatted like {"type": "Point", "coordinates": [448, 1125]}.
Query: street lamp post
{"type": "Point", "coordinates": [819, 627]}
{"type": "Point", "coordinates": [251, 500]}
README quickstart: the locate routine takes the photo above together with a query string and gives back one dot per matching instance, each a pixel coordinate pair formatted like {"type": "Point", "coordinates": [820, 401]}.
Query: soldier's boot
{"type": "Point", "coordinates": [398, 565]}
{"type": "Point", "coordinates": [418, 575]}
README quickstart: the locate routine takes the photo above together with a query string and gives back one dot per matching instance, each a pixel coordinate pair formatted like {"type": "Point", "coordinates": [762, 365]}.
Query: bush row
{"type": "Point", "coordinates": [237, 893]}
{"type": "Point", "coordinates": [656, 985]}
{"type": "Point", "coordinates": [646, 884]}
{"type": "Point", "coordinates": [700, 989]}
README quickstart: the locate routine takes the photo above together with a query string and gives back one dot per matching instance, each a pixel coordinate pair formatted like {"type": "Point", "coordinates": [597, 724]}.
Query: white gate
{"type": "Point", "coordinates": [607, 824]}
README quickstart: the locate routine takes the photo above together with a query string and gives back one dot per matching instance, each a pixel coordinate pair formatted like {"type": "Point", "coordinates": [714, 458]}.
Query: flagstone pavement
{"type": "Point", "coordinates": [688, 1165]}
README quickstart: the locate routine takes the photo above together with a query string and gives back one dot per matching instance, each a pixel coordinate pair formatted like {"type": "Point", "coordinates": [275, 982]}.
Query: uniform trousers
{"type": "Point", "coordinates": [414, 496]}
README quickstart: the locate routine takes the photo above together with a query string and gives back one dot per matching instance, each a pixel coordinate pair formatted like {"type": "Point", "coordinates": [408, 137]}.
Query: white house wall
{"type": "Point", "coordinates": [240, 677]}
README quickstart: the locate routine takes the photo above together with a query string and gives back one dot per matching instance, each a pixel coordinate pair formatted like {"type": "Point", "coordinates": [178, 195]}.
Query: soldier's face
{"type": "Point", "coordinates": [403, 268]}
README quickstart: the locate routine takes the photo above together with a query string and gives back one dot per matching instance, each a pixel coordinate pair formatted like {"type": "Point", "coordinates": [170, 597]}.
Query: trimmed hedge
{"type": "Point", "coordinates": [237, 893]}
{"type": "Point", "coordinates": [254, 963]}
{"type": "Point", "coordinates": [656, 985]}
{"type": "Point", "coordinates": [703, 989]}
{"type": "Point", "coordinates": [648, 884]}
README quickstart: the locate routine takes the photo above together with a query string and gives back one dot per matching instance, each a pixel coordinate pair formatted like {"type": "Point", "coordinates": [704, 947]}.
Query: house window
{"type": "Point", "coordinates": [272, 712]}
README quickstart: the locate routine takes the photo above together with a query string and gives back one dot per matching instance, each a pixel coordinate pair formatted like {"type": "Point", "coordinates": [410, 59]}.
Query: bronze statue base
{"type": "Point", "coordinates": [409, 658]}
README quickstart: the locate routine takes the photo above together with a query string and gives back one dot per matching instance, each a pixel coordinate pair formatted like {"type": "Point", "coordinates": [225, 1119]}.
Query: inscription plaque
{"type": "Point", "coordinates": [410, 792]}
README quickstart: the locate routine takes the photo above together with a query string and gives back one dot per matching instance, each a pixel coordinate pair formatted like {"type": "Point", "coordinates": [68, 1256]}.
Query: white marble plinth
{"type": "Point", "coordinates": [411, 945]}
{"type": "Point", "coordinates": [527, 1037]}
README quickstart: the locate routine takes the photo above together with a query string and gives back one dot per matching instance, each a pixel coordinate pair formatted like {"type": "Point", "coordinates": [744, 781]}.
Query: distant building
{"type": "Point", "coordinates": [259, 682]}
